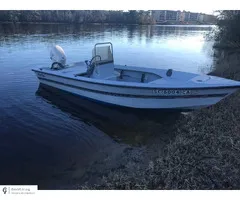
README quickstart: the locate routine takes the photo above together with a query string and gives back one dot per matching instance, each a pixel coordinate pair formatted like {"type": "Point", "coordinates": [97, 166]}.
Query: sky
{"type": "Point", "coordinates": [204, 6]}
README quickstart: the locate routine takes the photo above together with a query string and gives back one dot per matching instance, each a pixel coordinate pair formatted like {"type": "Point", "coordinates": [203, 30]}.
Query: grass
{"type": "Point", "coordinates": [204, 154]}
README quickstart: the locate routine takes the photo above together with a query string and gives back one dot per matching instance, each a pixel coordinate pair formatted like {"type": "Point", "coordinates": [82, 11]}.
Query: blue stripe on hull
{"type": "Point", "coordinates": [115, 105]}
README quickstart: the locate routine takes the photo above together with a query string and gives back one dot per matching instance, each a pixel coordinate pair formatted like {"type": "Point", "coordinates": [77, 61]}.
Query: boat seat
{"type": "Point", "coordinates": [169, 72]}
{"type": "Point", "coordinates": [105, 54]}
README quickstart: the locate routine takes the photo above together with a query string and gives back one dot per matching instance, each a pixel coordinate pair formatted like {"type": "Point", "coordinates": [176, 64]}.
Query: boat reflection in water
{"type": "Point", "coordinates": [127, 125]}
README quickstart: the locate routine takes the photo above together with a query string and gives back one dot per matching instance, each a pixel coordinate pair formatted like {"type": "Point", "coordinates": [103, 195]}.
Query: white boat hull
{"type": "Point", "coordinates": [142, 98]}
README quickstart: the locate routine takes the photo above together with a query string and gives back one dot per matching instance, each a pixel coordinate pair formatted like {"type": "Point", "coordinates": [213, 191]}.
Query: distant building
{"type": "Point", "coordinates": [166, 15]}
{"type": "Point", "coordinates": [201, 17]}
{"type": "Point", "coordinates": [162, 15]}
{"type": "Point", "coordinates": [184, 16]}
{"type": "Point", "coordinates": [193, 16]}
{"type": "Point", "coordinates": [171, 15]}
{"type": "Point", "coordinates": [187, 16]}
{"type": "Point", "coordinates": [178, 15]}
{"type": "Point", "coordinates": [159, 15]}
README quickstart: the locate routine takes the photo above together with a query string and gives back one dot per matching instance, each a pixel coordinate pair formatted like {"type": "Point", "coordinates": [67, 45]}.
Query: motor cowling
{"type": "Point", "coordinates": [57, 56]}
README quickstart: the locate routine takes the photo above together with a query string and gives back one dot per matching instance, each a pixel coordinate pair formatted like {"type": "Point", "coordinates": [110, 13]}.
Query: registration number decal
{"type": "Point", "coordinates": [173, 92]}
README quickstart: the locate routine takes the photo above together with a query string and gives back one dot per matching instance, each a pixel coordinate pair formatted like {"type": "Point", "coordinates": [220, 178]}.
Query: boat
{"type": "Point", "coordinates": [101, 80]}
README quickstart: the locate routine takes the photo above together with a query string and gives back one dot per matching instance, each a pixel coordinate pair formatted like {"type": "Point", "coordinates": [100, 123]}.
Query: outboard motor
{"type": "Point", "coordinates": [58, 57]}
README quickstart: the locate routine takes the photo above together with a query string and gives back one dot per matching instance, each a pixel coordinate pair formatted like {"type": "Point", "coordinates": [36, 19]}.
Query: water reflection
{"type": "Point", "coordinates": [130, 126]}
{"type": "Point", "coordinates": [29, 29]}
{"type": "Point", "coordinates": [133, 33]}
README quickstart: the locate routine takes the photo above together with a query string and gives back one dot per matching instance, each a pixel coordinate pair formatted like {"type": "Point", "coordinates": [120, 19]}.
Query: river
{"type": "Point", "coordinates": [49, 138]}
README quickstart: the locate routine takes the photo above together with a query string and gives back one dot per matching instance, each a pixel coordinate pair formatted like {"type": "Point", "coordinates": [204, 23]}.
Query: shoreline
{"type": "Point", "coordinates": [65, 23]}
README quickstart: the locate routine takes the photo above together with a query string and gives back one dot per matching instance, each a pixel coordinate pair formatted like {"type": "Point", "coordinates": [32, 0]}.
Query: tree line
{"type": "Point", "coordinates": [227, 34]}
{"type": "Point", "coordinates": [76, 16]}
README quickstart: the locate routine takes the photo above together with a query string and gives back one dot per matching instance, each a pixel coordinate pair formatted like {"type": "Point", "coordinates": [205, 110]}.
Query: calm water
{"type": "Point", "coordinates": [50, 138]}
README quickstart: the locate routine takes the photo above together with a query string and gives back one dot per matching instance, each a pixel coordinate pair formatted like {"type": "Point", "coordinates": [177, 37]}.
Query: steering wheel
{"type": "Point", "coordinates": [94, 58]}
{"type": "Point", "coordinates": [91, 66]}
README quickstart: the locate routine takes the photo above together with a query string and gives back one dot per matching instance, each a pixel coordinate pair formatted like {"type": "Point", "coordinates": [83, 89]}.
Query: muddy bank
{"type": "Point", "coordinates": [203, 152]}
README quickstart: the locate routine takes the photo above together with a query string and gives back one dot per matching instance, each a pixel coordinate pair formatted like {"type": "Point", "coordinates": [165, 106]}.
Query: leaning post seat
{"type": "Point", "coordinates": [104, 53]}
{"type": "Point", "coordinates": [103, 61]}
